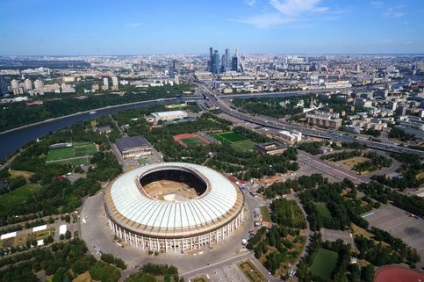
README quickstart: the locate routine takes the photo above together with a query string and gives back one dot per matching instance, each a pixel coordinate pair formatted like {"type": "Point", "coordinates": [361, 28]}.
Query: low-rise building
{"type": "Point", "coordinates": [166, 116]}
{"type": "Point", "coordinates": [131, 147]}
{"type": "Point", "coordinates": [271, 148]}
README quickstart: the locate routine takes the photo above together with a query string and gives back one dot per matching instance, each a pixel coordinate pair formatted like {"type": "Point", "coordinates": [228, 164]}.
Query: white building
{"type": "Point", "coordinates": [291, 136]}
{"type": "Point", "coordinates": [167, 116]}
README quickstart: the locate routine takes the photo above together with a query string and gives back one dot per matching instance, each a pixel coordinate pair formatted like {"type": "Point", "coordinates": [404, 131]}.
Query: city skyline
{"type": "Point", "coordinates": [34, 27]}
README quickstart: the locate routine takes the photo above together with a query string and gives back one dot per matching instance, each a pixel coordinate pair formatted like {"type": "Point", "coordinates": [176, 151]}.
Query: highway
{"type": "Point", "coordinates": [269, 122]}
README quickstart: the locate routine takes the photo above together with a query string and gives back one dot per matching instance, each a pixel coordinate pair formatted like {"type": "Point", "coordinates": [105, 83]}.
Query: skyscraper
{"type": "Point", "coordinates": [210, 59]}
{"type": "Point", "coordinates": [227, 60]}
{"type": "Point", "coordinates": [234, 64]}
{"type": "Point", "coordinates": [215, 62]}
{"type": "Point", "coordinates": [176, 66]}
{"type": "Point", "coordinates": [3, 86]}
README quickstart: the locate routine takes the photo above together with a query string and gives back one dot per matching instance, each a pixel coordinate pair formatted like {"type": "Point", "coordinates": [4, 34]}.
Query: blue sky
{"type": "Point", "coordinates": [94, 27]}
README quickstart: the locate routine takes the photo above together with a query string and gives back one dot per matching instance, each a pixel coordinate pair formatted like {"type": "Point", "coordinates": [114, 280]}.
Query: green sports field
{"type": "Point", "coordinates": [237, 141]}
{"type": "Point", "coordinates": [77, 154]}
{"type": "Point", "coordinates": [324, 263]}
{"type": "Point", "coordinates": [193, 141]}
{"type": "Point", "coordinates": [18, 196]}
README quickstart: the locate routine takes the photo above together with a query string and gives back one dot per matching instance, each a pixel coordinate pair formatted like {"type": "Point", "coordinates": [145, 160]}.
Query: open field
{"type": "Point", "coordinates": [324, 263]}
{"type": "Point", "coordinates": [77, 154]}
{"type": "Point", "coordinates": [251, 272]}
{"type": "Point", "coordinates": [245, 145]}
{"type": "Point", "coordinates": [18, 196]}
{"type": "Point", "coordinates": [193, 141]}
{"type": "Point", "coordinates": [323, 210]}
{"type": "Point", "coordinates": [25, 174]}
{"type": "Point", "coordinates": [353, 161]}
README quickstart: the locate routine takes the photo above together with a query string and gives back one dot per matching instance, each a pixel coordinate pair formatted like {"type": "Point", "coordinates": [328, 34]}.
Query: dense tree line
{"type": "Point", "coordinates": [273, 107]}
{"type": "Point", "coordinates": [344, 270]}
{"type": "Point", "coordinates": [400, 134]}
{"type": "Point", "coordinates": [372, 132]}
{"type": "Point", "coordinates": [275, 245]}
{"type": "Point", "coordinates": [18, 114]}
{"type": "Point", "coordinates": [313, 148]}
{"type": "Point", "coordinates": [57, 260]}
{"type": "Point", "coordinates": [287, 213]}
{"type": "Point", "coordinates": [395, 251]}
{"type": "Point", "coordinates": [340, 156]}
{"type": "Point", "coordinates": [303, 182]}
{"type": "Point", "coordinates": [343, 209]}
{"type": "Point", "coordinates": [410, 167]}
{"type": "Point", "coordinates": [155, 272]}
{"type": "Point", "coordinates": [377, 191]}
{"type": "Point", "coordinates": [375, 162]}
{"type": "Point", "coordinates": [109, 258]}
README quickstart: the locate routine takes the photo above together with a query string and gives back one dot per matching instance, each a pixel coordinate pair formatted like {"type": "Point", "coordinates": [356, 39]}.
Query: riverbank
{"type": "Point", "coordinates": [91, 111]}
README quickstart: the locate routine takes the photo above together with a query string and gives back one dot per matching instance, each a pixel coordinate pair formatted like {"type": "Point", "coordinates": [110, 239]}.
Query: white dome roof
{"type": "Point", "coordinates": [217, 204]}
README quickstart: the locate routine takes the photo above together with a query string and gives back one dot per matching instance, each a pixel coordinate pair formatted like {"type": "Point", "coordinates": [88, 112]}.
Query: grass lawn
{"type": "Point", "coordinates": [193, 141]}
{"type": "Point", "coordinates": [324, 263]}
{"type": "Point", "coordinates": [265, 214]}
{"type": "Point", "coordinates": [251, 272]}
{"type": "Point", "coordinates": [233, 137]}
{"type": "Point", "coordinates": [323, 210]}
{"type": "Point", "coordinates": [245, 145]}
{"type": "Point", "coordinates": [353, 161]}
{"type": "Point", "coordinates": [18, 196]}
{"type": "Point", "coordinates": [77, 150]}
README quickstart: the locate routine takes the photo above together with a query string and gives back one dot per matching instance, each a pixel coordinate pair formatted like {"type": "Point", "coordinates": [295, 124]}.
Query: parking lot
{"type": "Point", "coordinates": [333, 235]}
{"type": "Point", "coordinates": [228, 273]}
{"type": "Point", "coordinates": [401, 225]}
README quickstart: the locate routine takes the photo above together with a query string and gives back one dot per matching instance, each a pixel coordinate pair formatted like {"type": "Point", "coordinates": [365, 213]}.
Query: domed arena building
{"type": "Point", "coordinates": [173, 207]}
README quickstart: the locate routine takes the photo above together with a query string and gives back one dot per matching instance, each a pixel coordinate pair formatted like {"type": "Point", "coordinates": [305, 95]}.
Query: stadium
{"type": "Point", "coordinates": [173, 207]}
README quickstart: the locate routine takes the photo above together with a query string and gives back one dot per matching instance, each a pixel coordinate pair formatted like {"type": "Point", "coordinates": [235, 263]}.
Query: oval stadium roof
{"type": "Point", "coordinates": [211, 207]}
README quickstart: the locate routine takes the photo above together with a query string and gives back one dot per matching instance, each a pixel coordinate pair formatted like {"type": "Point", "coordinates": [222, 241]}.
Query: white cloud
{"type": "Point", "coordinates": [283, 12]}
{"type": "Point", "coordinates": [394, 12]}
{"type": "Point", "coordinates": [376, 4]}
{"type": "Point", "coordinates": [250, 2]}
{"type": "Point", "coordinates": [133, 25]}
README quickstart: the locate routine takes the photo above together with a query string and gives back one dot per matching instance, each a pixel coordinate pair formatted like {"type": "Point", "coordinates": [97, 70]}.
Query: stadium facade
{"type": "Point", "coordinates": [176, 225]}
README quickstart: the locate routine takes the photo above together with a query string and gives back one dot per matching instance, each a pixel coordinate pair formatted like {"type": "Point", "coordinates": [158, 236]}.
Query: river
{"type": "Point", "coordinates": [15, 139]}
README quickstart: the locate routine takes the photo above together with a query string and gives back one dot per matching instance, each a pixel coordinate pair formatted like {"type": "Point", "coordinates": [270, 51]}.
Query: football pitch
{"type": "Point", "coordinates": [237, 141]}
{"type": "Point", "coordinates": [324, 263]}
{"type": "Point", "coordinates": [78, 153]}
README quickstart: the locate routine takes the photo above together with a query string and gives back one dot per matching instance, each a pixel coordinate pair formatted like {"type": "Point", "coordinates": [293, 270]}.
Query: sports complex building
{"type": "Point", "coordinates": [173, 207]}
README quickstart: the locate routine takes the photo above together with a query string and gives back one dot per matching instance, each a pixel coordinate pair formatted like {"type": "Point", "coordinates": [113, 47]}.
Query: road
{"type": "Point", "coordinates": [222, 103]}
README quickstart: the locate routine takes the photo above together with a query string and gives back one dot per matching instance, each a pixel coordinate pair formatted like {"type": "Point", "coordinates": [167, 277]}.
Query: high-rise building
{"type": "Point", "coordinates": [3, 86]}
{"type": "Point", "coordinates": [227, 60]}
{"type": "Point", "coordinates": [28, 84]}
{"type": "Point", "coordinates": [115, 81]}
{"type": "Point", "coordinates": [215, 62]}
{"type": "Point", "coordinates": [210, 59]}
{"type": "Point", "coordinates": [234, 64]}
{"type": "Point", "coordinates": [38, 84]}
{"type": "Point", "coordinates": [14, 84]}
{"type": "Point", "coordinates": [176, 66]}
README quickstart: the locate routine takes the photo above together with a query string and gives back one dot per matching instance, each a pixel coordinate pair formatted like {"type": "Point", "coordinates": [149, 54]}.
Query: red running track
{"type": "Point", "coordinates": [397, 274]}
